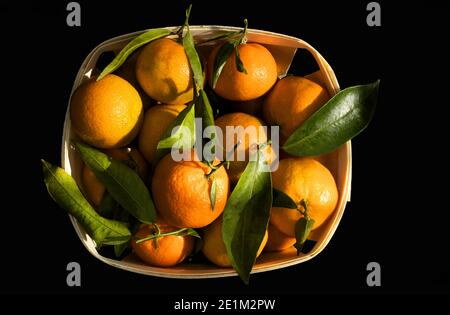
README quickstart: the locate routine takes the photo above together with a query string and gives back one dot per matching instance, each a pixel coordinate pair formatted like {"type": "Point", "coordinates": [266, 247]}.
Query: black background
{"type": "Point", "coordinates": [395, 217]}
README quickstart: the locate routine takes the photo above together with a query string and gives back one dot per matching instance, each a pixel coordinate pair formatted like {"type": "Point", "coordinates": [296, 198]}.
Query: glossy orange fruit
{"type": "Point", "coordinates": [255, 135]}
{"type": "Point", "coordinates": [278, 241]}
{"type": "Point", "coordinates": [107, 113]}
{"type": "Point", "coordinates": [238, 86]}
{"type": "Point", "coordinates": [291, 101]}
{"type": "Point", "coordinates": [182, 192]}
{"type": "Point", "coordinates": [303, 178]}
{"type": "Point", "coordinates": [164, 72]}
{"type": "Point", "coordinates": [164, 251]}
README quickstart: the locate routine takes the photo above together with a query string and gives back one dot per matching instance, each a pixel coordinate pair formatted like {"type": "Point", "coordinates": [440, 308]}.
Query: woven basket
{"type": "Point", "coordinates": [283, 48]}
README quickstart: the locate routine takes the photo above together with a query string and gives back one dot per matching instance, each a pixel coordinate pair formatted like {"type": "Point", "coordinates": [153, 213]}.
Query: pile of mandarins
{"type": "Point", "coordinates": [126, 113]}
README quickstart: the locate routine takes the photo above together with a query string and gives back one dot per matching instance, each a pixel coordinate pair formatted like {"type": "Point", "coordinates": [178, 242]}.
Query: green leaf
{"type": "Point", "coordinates": [179, 232]}
{"type": "Point", "coordinates": [124, 185]}
{"type": "Point", "coordinates": [212, 193]}
{"type": "Point", "coordinates": [224, 52]}
{"type": "Point", "coordinates": [111, 209]}
{"type": "Point", "coordinates": [116, 240]}
{"type": "Point", "coordinates": [204, 111]}
{"type": "Point", "coordinates": [343, 117]}
{"type": "Point", "coordinates": [186, 119]}
{"type": "Point", "coordinates": [65, 192]}
{"type": "Point", "coordinates": [194, 59]}
{"type": "Point", "coordinates": [120, 249]}
{"type": "Point", "coordinates": [187, 232]}
{"type": "Point", "coordinates": [239, 64]}
{"type": "Point", "coordinates": [121, 215]}
{"type": "Point", "coordinates": [131, 47]}
{"type": "Point", "coordinates": [246, 216]}
{"type": "Point", "coordinates": [108, 206]}
{"type": "Point", "coordinates": [302, 229]}
{"type": "Point", "coordinates": [282, 200]}
{"type": "Point", "coordinates": [184, 136]}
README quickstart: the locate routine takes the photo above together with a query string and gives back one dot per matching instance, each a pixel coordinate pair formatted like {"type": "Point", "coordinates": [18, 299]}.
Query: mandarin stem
{"type": "Point", "coordinates": [304, 204]}
{"type": "Point", "coordinates": [151, 237]}
{"type": "Point", "coordinates": [229, 154]}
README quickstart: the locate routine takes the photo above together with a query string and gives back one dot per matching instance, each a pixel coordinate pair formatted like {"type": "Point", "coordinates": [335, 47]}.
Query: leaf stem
{"type": "Point", "coordinates": [159, 234]}
{"type": "Point", "coordinates": [243, 39]}
{"type": "Point", "coordinates": [158, 230]}
{"type": "Point", "coordinates": [188, 13]}
{"type": "Point", "coordinates": [186, 22]}
{"type": "Point", "coordinates": [214, 168]}
{"type": "Point", "coordinates": [305, 208]}
{"type": "Point", "coordinates": [231, 152]}
{"type": "Point", "coordinates": [262, 146]}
